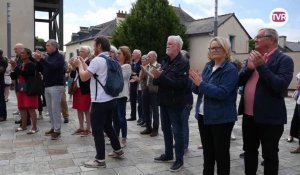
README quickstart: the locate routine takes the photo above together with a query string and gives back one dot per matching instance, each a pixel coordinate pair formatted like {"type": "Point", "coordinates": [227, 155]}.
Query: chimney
{"type": "Point", "coordinates": [282, 41]}
{"type": "Point", "coordinates": [121, 16]}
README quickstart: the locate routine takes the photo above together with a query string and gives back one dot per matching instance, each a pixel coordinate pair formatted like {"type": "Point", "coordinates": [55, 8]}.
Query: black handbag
{"type": "Point", "coordinates": [34, 85]}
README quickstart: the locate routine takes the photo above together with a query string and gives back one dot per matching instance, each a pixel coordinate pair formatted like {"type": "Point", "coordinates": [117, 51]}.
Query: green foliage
{"type": "Point", "coordinates": [148, 26]}
{"type": "Point", "coordinates": [251, 45]}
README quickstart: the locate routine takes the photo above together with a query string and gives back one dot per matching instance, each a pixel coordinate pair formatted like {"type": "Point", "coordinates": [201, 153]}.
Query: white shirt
{"type": "Point", "coordinates": [126, 71]}
{"type": "Point", "coordinates": [98, 66]}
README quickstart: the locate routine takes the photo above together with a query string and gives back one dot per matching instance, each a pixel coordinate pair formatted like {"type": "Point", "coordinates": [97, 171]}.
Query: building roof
{"type": "Point", "coordinates": [89, 33]}
{"type": "Point", "coordinates": [293, 46]}
{"type": "Point", "coordinates": [206, 25]}
{"type": "Point", "coordinates": [194, 27]}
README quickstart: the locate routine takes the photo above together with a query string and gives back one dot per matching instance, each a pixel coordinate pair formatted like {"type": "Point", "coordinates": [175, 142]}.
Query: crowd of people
{"type": "Point", "coordinates": [161, 94]}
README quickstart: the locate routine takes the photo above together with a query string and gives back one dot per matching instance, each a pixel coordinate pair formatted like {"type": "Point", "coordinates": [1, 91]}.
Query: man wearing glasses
{"type": "Point", "coordinates": [265, 78]}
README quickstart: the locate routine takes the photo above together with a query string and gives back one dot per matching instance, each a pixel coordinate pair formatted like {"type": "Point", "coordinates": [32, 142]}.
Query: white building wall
{"type": "Point", "coordinates": [22, 24]}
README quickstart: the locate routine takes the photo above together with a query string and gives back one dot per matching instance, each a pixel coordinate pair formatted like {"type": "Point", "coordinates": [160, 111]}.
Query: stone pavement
{"type": "Point", "coordinates": [23, 154]}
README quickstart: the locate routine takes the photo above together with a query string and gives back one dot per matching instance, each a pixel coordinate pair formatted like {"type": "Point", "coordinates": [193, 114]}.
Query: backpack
{"type": "Point", "coordinates": [114, 81]}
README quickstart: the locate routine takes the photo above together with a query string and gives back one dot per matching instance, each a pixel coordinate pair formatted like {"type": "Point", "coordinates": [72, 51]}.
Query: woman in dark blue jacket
{"type": "Point", "coordinates": [216, 106]}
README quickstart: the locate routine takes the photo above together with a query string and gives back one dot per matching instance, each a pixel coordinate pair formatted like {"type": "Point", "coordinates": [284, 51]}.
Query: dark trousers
{"type": "Point", "coordinates": [185, 124]}
{"type": "Point", "coordinates": [295, 123]}
{"type": "Point", "coordinates": [133, 99]}
{"type": "Point", "coordinates": [153, 111]}
{"type": "Point", "coordinates": [216, 144]}
{"type": "Point", "coordinates": [140, 105]}
{"type": "Point", "coordinates": [268, 136]}
{"type": "Point", "coordinates": [119, 117]}
{"type": "Point", "coordinates": [101, 120]}
{"type": "Point", "coordinates": [146, 109]}
{"type": "Point", "coordinates": [171, 124]}
{"type": "Point", "coordinates": [3, 112]}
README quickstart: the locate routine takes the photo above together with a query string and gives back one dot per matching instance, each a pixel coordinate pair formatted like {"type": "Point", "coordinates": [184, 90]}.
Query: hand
{"type": "Point", "coordinates": [13, 64]}
{"type": "Point", "coordinates": [134, 78]}
{"type": "Point", "coordinates": [38, 55]}
{"type": "Point", "coordinates": [156, 73]}
{"type": "Point", "coordinates": [195, 76]}
{"type": "Point", "coordinates": [257, 58]}
{"type": "Point", "coordinates": [143, 68]}
{"type": "Point", "coordinates": [77, 62]}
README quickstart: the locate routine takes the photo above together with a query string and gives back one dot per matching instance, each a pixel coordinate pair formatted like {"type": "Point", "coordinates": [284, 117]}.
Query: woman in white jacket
{"type": "Point", "coordinates": [119, 117]}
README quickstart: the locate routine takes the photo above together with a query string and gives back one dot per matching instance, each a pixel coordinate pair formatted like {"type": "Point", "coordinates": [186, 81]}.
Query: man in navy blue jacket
{"type": "Point", "coordinates": [265, 78]}
{"type": "Point", "coordinates": [53, 66]}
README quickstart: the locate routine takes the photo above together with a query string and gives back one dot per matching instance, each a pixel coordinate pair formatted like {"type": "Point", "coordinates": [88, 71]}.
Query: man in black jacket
{"type": "Point", "coordinates": [135, 67]}
{"type": "Point", "coordinates": [172, 80]}
{"type": "Point", "coordinates": [3, 65]}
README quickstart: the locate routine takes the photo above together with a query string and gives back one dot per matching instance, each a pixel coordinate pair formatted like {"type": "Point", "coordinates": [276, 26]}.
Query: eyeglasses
{"type": "Point", "coordinates": [262, 36]}
{"type": "Point", "coordinates": [215, 48]}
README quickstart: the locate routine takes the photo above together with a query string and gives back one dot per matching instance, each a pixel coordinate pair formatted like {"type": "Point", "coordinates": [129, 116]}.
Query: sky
{"type": "Point", "coordinates": [253, 15]}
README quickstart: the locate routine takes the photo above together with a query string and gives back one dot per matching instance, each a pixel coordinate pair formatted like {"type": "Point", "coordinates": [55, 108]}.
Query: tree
{"type": "Point", "coordinates": [40, 44]}
{"type": "Point", "coordinates": [251, 45]}
{"type": "Point", "coordinates": [148, 26]}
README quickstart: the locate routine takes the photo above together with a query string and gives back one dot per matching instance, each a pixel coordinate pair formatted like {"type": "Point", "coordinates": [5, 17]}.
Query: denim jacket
{"type": "Point", "coordinates": [220, 92]}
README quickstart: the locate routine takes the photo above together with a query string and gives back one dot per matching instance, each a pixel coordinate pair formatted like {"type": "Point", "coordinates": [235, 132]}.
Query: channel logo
{"type": "Point", "coordinates": [279, 17]}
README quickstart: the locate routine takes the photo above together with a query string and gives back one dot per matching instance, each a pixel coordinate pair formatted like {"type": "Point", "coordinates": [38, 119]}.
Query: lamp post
{"type": "Point", "coordinates": [8, 30]}
{"type": "Point", "coordinates": [216, 19]}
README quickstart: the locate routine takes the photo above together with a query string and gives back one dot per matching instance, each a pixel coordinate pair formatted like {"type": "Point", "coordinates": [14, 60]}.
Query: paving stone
{"type": "Point", "coordinates": [23, 154]}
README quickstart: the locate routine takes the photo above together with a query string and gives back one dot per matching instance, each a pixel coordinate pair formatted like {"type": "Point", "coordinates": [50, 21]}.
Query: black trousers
{"type": "Point", "coordinates": [133, 99]}
{"type": "Point", "coordinates": [153, 111]}
{"type": "Point", "coordinates": [101, 120]}
{"type": "Point", "coordinates": [268, 136]}
{"type": "Point", "coordinates": [216, 144]}
{"type": "Point", "coordinates": [3, 112]}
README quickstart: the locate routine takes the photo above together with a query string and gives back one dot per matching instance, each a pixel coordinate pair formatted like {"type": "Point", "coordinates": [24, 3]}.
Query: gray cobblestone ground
{"type": "Point", "coordinates": [23, 154]}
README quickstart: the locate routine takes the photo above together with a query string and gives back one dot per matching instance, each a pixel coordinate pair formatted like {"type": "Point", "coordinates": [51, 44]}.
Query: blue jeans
{"type": "Point", "coordinates": [119, 117]}
{"type": "Point", "coordinates": [53, 97]}
{"type": "Point", "coordinates": [185, 124]}
{"type": "Point", "coordinates": [171, 124]}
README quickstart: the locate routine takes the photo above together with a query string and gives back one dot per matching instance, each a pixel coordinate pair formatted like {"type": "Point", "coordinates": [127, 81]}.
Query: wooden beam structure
{"type": "Point", "coordinates": [54, 8]}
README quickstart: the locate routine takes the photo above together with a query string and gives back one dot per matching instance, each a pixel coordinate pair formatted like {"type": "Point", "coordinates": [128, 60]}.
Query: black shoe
{"type": "Point", "coordinates": [146, 131]}
{"type": "Point", "coordinates": [18, 121]}
{"type": "Point", "coordinates": [143, 125]}
{"type": "Point", "coordinates": [131, 119]}
{"type": "Point", "coordinates": [2, 119]}
{"type": "Point", "coordinates": [163, 158]}
{"type": "Point", "coordinates": [66, 120]}
{"type": "Point", "coordinates": [140, 123]}
{"type": "Point", "coordinates": [177, 166]}
{"type": "Point", "coordinates": [154, 133]}
{"type": "Point", "coordinates": [139, 120]}
{"type": "Point", "coordinates": [242, 155]}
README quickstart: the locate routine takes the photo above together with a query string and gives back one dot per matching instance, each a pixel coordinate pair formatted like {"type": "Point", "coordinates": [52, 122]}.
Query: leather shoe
{"type": "Point", "coordinates": [131, 119]}
{"type": "Point", "coordinates": [143, 125]}
{"type": "Point", "coordinates": [2, 119]}
{"type": "Point", "coordinates": [140, 123]}
{"type": "Point", "coordinates": [154, 133]}
{"type": "Point", "coordinates": [146, 131]}
{"type": "Point", "coordinates": [18, 121]}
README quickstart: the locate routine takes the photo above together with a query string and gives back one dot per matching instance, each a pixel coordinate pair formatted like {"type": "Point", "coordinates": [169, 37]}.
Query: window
{"type": "Point", "coordinates": [71, 55]}
{"type": "Point", "coordinates": [232, 42]}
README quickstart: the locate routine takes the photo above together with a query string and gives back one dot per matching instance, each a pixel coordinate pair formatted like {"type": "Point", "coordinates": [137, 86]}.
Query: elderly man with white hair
{"type": "Point", "coordinates": [172, 79]}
